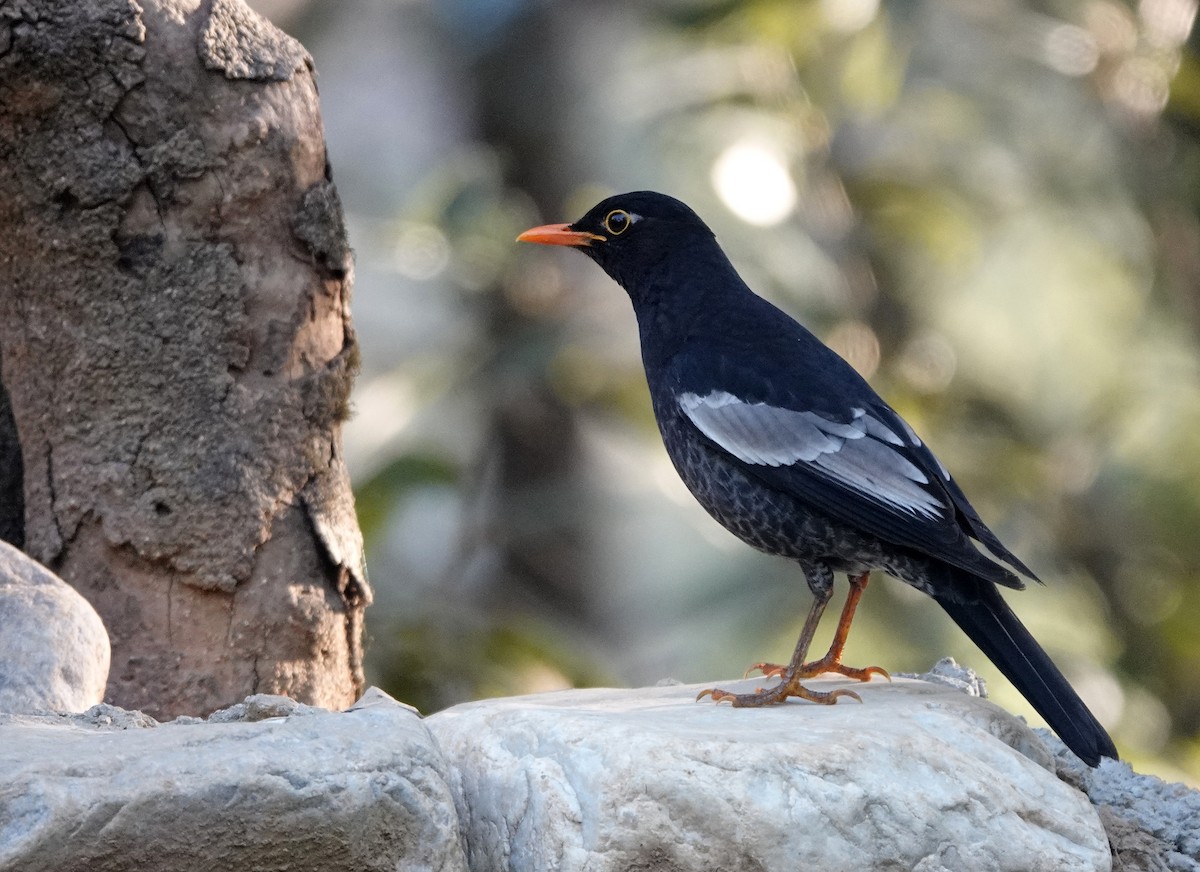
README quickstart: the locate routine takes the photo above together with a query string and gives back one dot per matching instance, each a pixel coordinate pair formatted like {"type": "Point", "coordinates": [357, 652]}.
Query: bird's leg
{"type": "Point", "coordinates": [773, 670]}
{"type": "Point", "coordinates": [791, 675]}
{"type": "Point", "coordinates": [832, 661]}
{"type": "Point", "coordinates": [795, 670]}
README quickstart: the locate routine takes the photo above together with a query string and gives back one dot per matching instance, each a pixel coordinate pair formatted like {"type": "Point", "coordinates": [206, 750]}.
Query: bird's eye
{"type": "Point", "coordinates": [617, 221]}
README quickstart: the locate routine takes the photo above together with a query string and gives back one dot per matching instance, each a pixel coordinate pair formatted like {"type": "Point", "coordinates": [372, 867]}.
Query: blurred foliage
{"type": "Point", "coordinates": [430, 661]}
{"type": "Point", "coordinates": [380, 494]}
{"type": "Point", "coordinates": [992, 210]}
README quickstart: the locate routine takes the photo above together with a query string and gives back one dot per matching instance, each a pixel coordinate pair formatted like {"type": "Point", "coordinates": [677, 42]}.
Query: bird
{"type": "Point", "coordinates": [791, 450]}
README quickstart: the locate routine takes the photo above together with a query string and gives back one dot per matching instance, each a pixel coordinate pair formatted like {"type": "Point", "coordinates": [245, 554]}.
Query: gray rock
{"type": "Point", "coordinates": [920, 776]}
{"type": "Point", "coordinates": [53, 649]}
{"type": "Point", "coordinates": [949, 672]}
{"type": "Point", "coordinates": [266, 785]}
{"type": "Point", "coordinates": [1153, 825]}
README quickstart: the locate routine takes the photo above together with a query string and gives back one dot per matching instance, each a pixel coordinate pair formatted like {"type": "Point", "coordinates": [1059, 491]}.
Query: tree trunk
{"type": "Point", "coordinates": [12, 491]}
{"type": "Point", "coordinates": [177, 347]}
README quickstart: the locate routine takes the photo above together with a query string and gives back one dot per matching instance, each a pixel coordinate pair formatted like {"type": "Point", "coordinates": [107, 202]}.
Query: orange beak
{"type": "Point", "coordinates": [559, 234]}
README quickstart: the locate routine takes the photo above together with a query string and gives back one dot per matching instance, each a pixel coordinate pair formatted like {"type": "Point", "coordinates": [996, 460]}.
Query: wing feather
{"type": "Point", "coordinates": [858, 455]}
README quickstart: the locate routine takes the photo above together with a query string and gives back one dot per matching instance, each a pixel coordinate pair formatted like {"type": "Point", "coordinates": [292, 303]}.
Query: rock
{"type": "Point", "coordinates": [1168, 811]}
{"type": "Point", "coordinates": [947, 671]}
{"type": "Point", "coordinates": [53, 649]}
{"type": "Point", "coordinates": [920, 776]}
{"type": "Point", "coordinates": [1152, 824]}
{"type": "Point", "coordinates": [302, 789]}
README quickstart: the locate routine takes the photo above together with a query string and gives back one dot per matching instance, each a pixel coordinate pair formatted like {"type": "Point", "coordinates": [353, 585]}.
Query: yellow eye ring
{"type": "Point", "coordinates": [617, 221]}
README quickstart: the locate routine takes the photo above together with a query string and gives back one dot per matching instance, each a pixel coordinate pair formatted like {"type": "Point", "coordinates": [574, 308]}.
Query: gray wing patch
{"type": "Point", "coordinates": [857, 455]}
{"type": "Point", "coordinates": [915, 440]}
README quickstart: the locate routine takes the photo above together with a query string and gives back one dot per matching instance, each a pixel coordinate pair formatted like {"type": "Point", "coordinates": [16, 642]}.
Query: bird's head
{"type": "Point", "coordinates": [629, 235]}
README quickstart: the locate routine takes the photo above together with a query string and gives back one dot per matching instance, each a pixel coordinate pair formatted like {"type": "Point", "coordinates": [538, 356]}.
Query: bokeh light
{"type": "Point", "coordinates": [752, 179]}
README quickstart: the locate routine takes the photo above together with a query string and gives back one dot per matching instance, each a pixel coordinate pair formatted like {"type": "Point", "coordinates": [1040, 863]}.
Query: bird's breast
{"type": "Point", "coordinates": [761, 516]}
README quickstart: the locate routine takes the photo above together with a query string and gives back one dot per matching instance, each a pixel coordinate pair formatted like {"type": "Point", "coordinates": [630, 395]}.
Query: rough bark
{"type": "Point", "coordinates": [174, 284]}
{"type": "Point", "coordinates": [12, 491]}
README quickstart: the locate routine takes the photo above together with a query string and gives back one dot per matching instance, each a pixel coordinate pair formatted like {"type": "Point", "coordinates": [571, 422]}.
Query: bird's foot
{"type": "Point", "coordinates": [769, 670]}
{"type": "Point", "coordinates": [820, 667]}
{"type": "Point", "coordinates": [791, 675]}
{"type": "Point", "coordinates": [790, 686]}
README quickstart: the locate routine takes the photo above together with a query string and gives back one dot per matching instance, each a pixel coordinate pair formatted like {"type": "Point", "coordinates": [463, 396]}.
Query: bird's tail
{"type": "Point", "coordinates": [985, 617]}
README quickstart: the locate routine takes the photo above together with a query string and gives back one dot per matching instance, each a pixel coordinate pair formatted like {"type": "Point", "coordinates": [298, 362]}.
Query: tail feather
{"type": "Point", "coordinates": [979, 610]}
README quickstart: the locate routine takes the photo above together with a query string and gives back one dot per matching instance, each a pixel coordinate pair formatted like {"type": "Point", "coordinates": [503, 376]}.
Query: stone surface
{"type": "Point", "coordinates": [267, 785]}
{"type": "Point", "coordinates": [1153, 825]}
{"type": "Point", "coordinates": [949, 672]}
{"type": "Point", "coordinates": [920, 776]}
{"type": "Point", "coordinates": [54, 649]}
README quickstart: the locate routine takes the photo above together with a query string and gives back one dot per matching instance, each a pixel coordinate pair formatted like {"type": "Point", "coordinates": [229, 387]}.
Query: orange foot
{"type": "Point", "coordinates": [791, 675]}
{"type": "Point", "coordinates": [790, 685]}
{"type": "Point", "coordinates": [777, 694]}
{"type": "Point", "coordinates": [819, 667]}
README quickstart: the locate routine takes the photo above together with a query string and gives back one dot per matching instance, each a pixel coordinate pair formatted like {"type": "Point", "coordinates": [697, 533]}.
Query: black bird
{"type": "Point", "coordinates": [793, 452]}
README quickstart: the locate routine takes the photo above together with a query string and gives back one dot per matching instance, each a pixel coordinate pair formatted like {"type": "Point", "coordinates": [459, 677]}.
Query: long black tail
{"type": "Point", "coordinates": [982, 614]}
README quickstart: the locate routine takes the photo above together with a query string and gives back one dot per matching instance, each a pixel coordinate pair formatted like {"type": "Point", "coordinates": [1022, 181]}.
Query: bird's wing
{"type": "Point", "coordinates": [860, 455]}
{"type": "Point", "coordinates": [968, 519]}
{"type": "Point", "coordinates": [868, 470]}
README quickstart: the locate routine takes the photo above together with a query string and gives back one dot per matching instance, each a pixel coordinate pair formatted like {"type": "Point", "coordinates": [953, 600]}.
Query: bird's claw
{"type": "Point", "coordinates": [769, 670]}
{"type": "Point", "coordinates": [789, 683]}
{"type": "Point", "coordinates": [864, 674]}
{"type": "Point", "coordinates": [791, 686]}
{"type": "Point", "coordinates": [819, 667]}
{"type": "Point", "coordinates": [840, 692]}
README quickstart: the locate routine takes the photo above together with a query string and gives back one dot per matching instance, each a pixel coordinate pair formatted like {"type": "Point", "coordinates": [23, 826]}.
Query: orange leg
{"type": "Point", "coordinates": [797, 669]}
